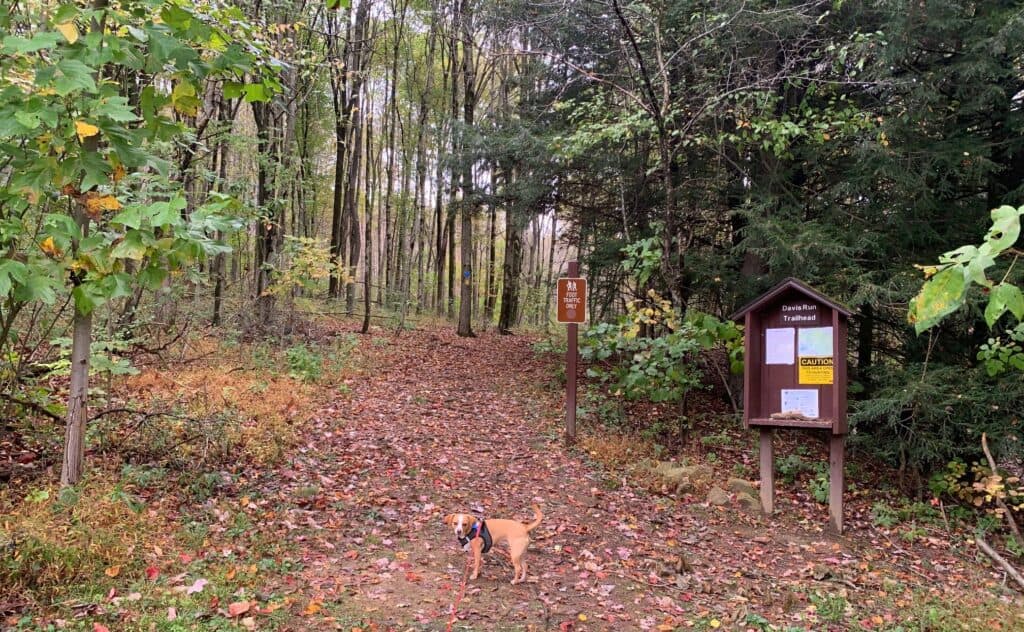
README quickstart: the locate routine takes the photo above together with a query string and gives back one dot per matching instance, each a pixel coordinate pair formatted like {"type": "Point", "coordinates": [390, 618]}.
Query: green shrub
{"type": "Point", "coordinates": [304, 364]}
{"type": "Point", "coordinates": [819, 485]}
{"type": "Point", "coordinates": [651, 353]}
{"type": "Point", "coordinates": [920, 419]}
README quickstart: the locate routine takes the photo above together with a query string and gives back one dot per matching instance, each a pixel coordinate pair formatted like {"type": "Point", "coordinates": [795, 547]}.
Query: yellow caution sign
{"type": "Point", "coordinates": [816, 370]}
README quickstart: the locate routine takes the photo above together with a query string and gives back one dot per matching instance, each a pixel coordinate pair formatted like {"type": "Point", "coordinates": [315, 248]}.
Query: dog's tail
{"type": "Point", "coordinates": [537, 515]}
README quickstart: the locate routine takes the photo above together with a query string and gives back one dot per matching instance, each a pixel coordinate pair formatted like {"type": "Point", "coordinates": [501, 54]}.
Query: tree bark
{"type": "Point", "coordinates": [468, 206]}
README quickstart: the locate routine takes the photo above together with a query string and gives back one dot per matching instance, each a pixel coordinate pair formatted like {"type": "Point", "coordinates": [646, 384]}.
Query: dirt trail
{"type": "Point", "coordinates": [436, 424]}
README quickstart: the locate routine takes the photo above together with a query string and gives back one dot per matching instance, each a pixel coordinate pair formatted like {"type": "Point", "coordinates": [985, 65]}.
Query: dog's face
{"type": "Point", "coordinates": [461, 523]}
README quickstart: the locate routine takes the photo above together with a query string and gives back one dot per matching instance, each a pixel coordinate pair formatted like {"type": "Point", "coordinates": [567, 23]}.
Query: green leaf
{"type": "Point", "coordinates": [233, 90]}
{"type": "Point", "coordinates": [28, 119]}
{"type": "Point", "coordinates": [116, 109]}
{"type": "Point", "coordinates": [1005, 296]}
{"type": "Point", "coordinates": [88, 296]}
{"type": "Point", "coordinates": [184, 98]}
{"type": "Point", "coordinates": [940, 296]}
{"type": "Point", "coordinates": [256, 92]}
{"type": "Point", "coordinates": [11, 271]}
{"type": "Point", "coordinates": [72, 76]}
{"type": "Point", "coordinates": [165, 213]}
{"type": "Point", "coordinates": [131, 247]}
{"type": "Point", "coordinates": [38, 286]}
{"type": "Point", "coordinates": [65, 13]}
{"type": "Point", "coordinates": [334, 5]}
{"type": "Point", "coordinates": [152, 277]}
{"type": "Point", "coordinates": [176, 17]}
{"type": "Point", "coordinates": [1005, 228]}
{"type": "Point", "coordinates": [40, 41]}
{"type": "Point", "coordinates": [130, 217]}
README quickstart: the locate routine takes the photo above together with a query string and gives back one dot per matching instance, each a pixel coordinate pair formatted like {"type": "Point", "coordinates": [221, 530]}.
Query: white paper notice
{"type": "Point", "coordinates": [779, 347]}
{"type": "Point", "coordinates": [803, 400]}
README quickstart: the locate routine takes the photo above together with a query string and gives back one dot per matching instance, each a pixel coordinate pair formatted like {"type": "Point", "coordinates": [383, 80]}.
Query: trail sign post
{"type": "Point", "coordinates": [571, 303]}
{"type": "Point", "coordinates": [794, 376]}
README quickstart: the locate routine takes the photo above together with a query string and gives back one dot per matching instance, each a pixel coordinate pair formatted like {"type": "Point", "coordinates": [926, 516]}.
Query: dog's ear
{"type": "Point", "coordinates": [449, 519]}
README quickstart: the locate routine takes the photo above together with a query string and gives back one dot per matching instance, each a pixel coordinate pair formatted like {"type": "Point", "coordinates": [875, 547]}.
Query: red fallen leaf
{"type": "Point", "coordinates": [237, 608]}
{"type": "Point", "coordinates": [412, 577]}
{"type": "Point", "coordinates": [565, 626]}
{"type": "Point", "coordinates": [152, 573]}
{"type": "Point", "coordinates": [99, 627]}
{"type": "Point", "coordinates": [353, 554]}
{"type": "Point", "coordinates": [185, 558]}
{"type": "Point", "coordinates": [214, 602]}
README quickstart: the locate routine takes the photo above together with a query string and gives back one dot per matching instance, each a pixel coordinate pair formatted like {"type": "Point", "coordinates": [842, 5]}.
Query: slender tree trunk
{"type": "Point", "coordinates": [468, 206]}
{"type": "Point", "coordinates": [368, 271]}
{"type": "Point", "coordinates": [511, 270]}
{"type": "Point", "coordinates": [492, 220]}
{"type": "Point", "coordinates": [548, 286]}
{"type": "Point", "coordinates": [81, 343]}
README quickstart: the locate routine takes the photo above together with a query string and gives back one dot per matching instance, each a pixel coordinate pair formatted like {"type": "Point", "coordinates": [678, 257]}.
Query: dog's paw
{"type": "Point", "coordinates": [465, 547]}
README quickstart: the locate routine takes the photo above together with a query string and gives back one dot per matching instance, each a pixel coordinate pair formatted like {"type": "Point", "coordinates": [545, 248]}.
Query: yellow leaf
{"type": "Point", "coordinates": [51, 249]}
{"type": "Point", "coordinates": [118, 174]}
{"type": "Point", "coordinates": [582, 617]}
{"type": "Point", "coordinates": [69, 31]}
{"type": "Point", "coordinates": [311, 609]}
{"type": "Point", "coordinates": [109, 203]}
{"type": "Point", "coordinates": [85, 130]}
{"type": "Point", "coordinates": [826, 137]}
{"type": "Point", "coordinates": [715, 623]}
{"type": "Point", "coordinates": [112, 571]}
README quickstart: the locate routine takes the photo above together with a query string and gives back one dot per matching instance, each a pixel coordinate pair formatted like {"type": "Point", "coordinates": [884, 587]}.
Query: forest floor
{"type": "Point", "coordinates": [346, 532]}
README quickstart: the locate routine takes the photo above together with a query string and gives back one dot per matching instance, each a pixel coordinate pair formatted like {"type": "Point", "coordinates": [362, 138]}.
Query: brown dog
{"type": "Point", "coordinates": [478, 534]}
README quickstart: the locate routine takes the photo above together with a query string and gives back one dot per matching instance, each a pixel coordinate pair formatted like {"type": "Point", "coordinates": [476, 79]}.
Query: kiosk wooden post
{"type": "Point", "coordinates": [571, 304]}
{"type": "Point", "coordinates": [795, 377]}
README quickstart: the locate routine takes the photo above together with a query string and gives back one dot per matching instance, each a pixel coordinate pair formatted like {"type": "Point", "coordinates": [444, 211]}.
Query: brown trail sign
{"type": "Point", "coordinates": [571, 302]}
{"type": "Point", "coordinates": [794, 376]}
{"type": "Point", "coordinates": [572, 298]}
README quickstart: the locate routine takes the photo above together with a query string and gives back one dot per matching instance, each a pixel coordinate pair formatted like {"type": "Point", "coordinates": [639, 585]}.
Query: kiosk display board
{"type": "Point", "coordinates": [794, 376]}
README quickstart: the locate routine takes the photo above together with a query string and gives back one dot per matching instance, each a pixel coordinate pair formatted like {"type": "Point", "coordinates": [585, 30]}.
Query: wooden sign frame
{"type": "Point", "coordinates": [795, 376]}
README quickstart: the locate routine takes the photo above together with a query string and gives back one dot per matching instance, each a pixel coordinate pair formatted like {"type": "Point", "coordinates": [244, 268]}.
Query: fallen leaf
{"type": "Point", "coordinates": [237, 608]}
{"type": "Point", "coordinates": [312, 608]}
{"type": "Point", "coordinates": [112, 571]}
{"type": "Point", "coordinates": [196, 586]}
{"type": "Point", "coordinates": [99, 627]}
{"type": "Point", "coordinates": [172, 613]}
{"type": "Point", "coordinates": [152, 573]}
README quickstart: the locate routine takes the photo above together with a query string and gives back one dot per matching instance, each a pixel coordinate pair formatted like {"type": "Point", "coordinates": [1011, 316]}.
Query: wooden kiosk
{"type": "Point", "coordinates": [794, 376]}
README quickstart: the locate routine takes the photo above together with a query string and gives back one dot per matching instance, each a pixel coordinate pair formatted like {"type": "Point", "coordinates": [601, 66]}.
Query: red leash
{"type": "Point", "coordinates": [462, 593]}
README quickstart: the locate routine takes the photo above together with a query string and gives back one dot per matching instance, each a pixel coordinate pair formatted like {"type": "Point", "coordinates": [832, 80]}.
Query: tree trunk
{"type": "Point", "coordinates": [78, 394]}
{"type": "Point", "coordinates": [492, 220]}
{"type": "Point", "coordinates": [548, 287]}
{"type": "Point", "coordinates": [511, 270]}
{"type": "Point", "coordinates": [368, 235]}
{"type": "Point", "coordinates": [468, 206]}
